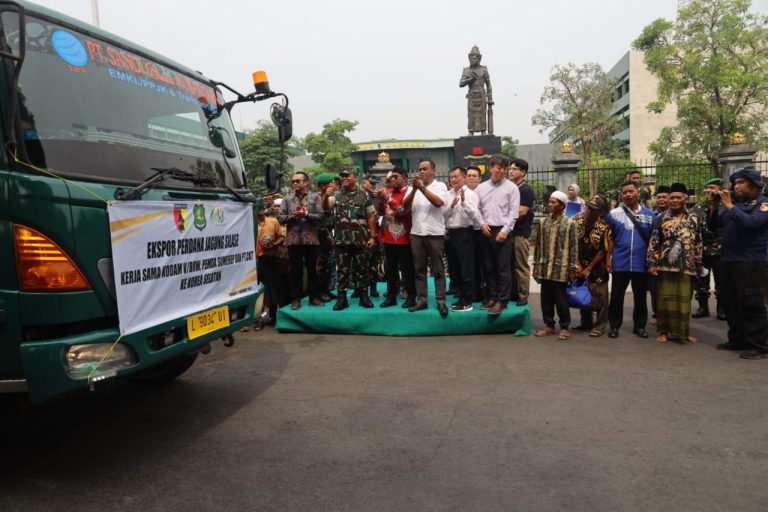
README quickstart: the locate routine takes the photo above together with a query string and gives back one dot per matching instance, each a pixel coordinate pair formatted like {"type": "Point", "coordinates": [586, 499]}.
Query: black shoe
{"type": "Point", "coordinates": [409, 303]}
{"type": "Point", "coordinates": [452, 291]}
{"type": "Point", "coordinates": [325, 297]}
{"type": "Point", "coordinates": [522, 302]}
{"type": "Point", "coordinates": [355, 294]}
{"type": "Point", "coordinates": [388, 303]}
{"type": "Point", "coordinates": [613, 333]}
{"type": "Point", "coordinates": [442, 308]}
{"type": "Point", "coordinates": [754, 354]}
{"type": "Point", "coordinates": [488, 304]}
{"type": "Point", "coordinates": [332, 295]}
{"type": "Point", "coordinates": [374, 291]}
{"type": "Point", "coordinates": [314, 301]}
{"type": "Point", "coordinates": [341, 303]}
{"type": "Point", "coordinates": [640, 332]}
{"type": "Point", "coordinates": [721, 313]}
{"type": "Point", "coordinates": [365, 302]}
{"type": "Point", "coordinates": [421, 304]}
{"type": "Point", "coordinates": [729, 346]}
{"type": "Point", "coordinates": [702, 312]}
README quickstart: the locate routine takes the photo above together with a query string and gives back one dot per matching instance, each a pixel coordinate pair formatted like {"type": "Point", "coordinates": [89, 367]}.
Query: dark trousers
{"type": "Point", "coordinates": [741, 295]}
{"type": "Point", "coordinates": [712, 264]}
{"type": "Point", "coordinates": [481, 291]}
{"type": "Point", "coordinates": [497, 262]}
{"type": "Point", "coordinates": [653, 288]}
{"type": "Point", "coordinates": [300, 256]}
{"type": "Point", "coordinates": [352, 268]}
{"type": "Point", "coordinates": [397, 260]}
{"type": "Point", "coordinates": [554, 295]}
{"type": "Point", "coordinates": [429, 248]}
{"type": "Point", "coordinates": [619, 283]}
{"type": "Point", "coordinates": [460, 249]}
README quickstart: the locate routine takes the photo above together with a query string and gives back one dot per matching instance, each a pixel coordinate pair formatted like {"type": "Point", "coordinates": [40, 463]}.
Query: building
{"type": "Point", "coordinates": [636, 89]}
{"type": "Point", "coordinates": [407, 153]}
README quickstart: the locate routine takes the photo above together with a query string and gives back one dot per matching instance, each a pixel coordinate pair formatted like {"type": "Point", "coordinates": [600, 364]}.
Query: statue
{"type": "Point", "coordinates": [479, 96]}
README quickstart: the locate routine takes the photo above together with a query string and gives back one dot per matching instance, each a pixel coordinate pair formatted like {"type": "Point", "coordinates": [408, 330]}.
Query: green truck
{"type": "Point", "coordinates": [90, 119]}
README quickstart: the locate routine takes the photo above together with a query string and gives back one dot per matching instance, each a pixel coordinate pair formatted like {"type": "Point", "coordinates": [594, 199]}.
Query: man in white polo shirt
{"type": "Point", "coordinates": [460, 218]}
{"type": "Point", "coordinates": [426, 200]}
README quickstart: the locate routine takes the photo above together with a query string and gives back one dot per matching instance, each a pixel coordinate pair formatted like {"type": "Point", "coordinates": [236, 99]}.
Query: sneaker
{"type": "Point", "coordinates": [461, 306]}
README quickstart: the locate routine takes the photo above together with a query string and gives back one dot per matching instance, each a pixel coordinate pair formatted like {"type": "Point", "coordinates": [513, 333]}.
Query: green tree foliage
{"type": "Point", "coordinates": [579, 101]}
{"type": "Point", "coordinates": [259, 148]}
{"type": "Point", "coordinates": [331, 148]}
{"type": "Point", "coordinates": [712, 62]}
{"type": "Point", "coordinates": [611, 174]}
{"type": "Point", "coordinates": [509, 146]}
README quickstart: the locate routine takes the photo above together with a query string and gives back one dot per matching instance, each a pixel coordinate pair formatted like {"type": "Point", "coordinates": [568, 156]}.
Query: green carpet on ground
{"type": "Point", "coordinates": [396, 321]}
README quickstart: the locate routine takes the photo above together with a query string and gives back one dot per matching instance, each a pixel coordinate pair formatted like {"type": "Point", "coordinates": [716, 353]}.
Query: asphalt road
{"type": "Point", "coordinates": [287, 422]}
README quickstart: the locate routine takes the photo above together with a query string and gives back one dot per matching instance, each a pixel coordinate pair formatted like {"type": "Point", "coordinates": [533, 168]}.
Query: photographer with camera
{"type": "Point", "coordinates": [744, 224]}
{"type": "Point", "coordinates": [712, 251]}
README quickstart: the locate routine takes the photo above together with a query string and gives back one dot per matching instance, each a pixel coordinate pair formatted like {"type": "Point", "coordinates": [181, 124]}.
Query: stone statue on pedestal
{"type": "Point", "coordinates": [479, 95]}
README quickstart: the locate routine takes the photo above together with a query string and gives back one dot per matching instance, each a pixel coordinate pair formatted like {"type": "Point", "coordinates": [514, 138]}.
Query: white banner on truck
{"type": "Point", "coordinates": [173, 259]}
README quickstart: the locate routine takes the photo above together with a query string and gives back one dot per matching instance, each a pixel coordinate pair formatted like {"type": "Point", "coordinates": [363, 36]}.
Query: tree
{"type": "Point", "coordinates": [509, 146]}
{"type": "Point", "coordinates": [712, 62]}
{"type": "Point", "coordinates": [331, 148]}
{"type": "Point", "coordinates": [611, 172]}
{"type": "Point", "coordinates": [259, 148]}
{"type": "Point", "coordinates": [580, 101]}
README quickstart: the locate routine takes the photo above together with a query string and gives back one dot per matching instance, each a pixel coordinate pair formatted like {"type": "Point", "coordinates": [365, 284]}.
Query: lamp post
{"type": "Point", "coordinates": [95, 12]}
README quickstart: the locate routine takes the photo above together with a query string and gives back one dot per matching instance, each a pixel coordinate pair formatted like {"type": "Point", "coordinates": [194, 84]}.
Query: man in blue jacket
{"type": "Point", "coordinates": [744, 223]}
{"type": "Point", "coordinates": [631, 225]}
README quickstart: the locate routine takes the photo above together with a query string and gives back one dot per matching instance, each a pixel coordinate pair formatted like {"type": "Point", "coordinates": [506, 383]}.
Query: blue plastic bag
{"type": "Point", "coordinates": [578, 294]}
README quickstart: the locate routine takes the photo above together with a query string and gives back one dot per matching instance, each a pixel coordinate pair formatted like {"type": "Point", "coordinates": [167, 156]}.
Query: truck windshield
{"type": "Point", "coordinates": [90, 108]}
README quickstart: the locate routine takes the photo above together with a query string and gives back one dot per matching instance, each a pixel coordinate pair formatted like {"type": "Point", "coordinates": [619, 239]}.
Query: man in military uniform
{"type": "Point", "coordinates": [744, 237]}
{"type": "Point", "coordinates": [354, 236]}
{"type": "Point", "coordinates": [325, 258]}
{"type": "Point", "coordinates": [479, 95]}
{"type": "Point", "coordinates": [711, 255]}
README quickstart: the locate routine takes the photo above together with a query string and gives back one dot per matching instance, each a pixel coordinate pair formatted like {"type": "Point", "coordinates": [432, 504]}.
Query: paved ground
{"type": "Point", "coordinates": [314, 422]}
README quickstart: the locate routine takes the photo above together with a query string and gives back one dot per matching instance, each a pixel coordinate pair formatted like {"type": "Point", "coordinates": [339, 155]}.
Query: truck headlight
{"type": "Point", "coordinates": [82, 359]}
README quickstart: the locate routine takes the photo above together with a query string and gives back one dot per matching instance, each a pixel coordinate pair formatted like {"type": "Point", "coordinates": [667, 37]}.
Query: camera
{"type": "Point", "coordinates": [715, 194]}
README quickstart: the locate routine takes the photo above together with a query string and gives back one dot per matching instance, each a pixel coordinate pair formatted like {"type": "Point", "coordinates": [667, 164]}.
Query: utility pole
{"type": "Point", "coordinates": [95, 12]}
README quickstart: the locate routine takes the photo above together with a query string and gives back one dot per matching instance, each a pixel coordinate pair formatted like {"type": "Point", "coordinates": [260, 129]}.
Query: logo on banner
{"type": "Point", "coordinates": [217, 215]}
{"type": "Point", "coordinates": [180, 217]}
{"type": "Point", "coordinates": [199, 213]}
{"type": "Point", "coordinates": [69, 48]}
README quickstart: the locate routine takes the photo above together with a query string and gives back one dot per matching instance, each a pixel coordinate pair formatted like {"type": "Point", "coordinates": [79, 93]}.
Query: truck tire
{"type": "Point", "coordinates": [166, 371]}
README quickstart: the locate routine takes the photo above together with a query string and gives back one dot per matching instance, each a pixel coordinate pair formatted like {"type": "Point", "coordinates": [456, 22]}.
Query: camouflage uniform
{"type": "Point", "coordinates": [325, 259]}
{"type": "Point", "coordinates": [711, 255]}
{"type": "Point", "coordinates": [351, 212]}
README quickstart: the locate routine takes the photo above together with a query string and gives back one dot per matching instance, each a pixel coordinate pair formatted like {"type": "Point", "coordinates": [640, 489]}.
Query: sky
{"type": "Point", "coordinates": [392, 66]}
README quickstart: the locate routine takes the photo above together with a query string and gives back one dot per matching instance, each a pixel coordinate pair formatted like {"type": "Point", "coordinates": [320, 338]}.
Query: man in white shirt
{"type": "Point", "coordinates": [499, 209]}
{"type": "Point", "coordinates": [426, 200]}
{"type": "Point", "coordinates": [460, 217]}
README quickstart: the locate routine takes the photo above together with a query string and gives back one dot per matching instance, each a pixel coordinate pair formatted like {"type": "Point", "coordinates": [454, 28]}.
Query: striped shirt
{"type": "Point", "coordinates": [556, 249]}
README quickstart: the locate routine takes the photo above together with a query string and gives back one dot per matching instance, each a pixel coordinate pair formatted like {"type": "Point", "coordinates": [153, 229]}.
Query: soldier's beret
{"type": "Point", "coordinates": [325, 178]}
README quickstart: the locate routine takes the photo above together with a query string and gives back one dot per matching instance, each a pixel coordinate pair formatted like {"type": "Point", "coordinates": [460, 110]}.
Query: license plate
{"type": "Point", "coordinates": [207, 321]}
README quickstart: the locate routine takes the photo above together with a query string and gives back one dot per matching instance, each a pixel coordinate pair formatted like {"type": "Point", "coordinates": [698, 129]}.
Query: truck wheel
{"type": "Point", "coordinates": [166, 371]}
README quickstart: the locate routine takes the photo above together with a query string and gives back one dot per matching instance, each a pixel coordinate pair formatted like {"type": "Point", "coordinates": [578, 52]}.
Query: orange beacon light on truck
{"type": "Point", "coordinates": [260, 82]}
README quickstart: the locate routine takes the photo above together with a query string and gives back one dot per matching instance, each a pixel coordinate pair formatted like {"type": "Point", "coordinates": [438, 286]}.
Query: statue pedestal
{"type": "Point", "coordinates": [476, 150]}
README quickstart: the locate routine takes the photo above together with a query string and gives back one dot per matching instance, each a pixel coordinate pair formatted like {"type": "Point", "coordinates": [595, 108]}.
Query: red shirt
{"type": "Point", "coordinates": [395, 224]}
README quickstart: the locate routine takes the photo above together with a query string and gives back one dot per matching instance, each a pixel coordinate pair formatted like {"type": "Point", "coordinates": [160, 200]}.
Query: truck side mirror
{"type": "Point", "coordinates": [12, 30]}
{"type": "Point", "coordinates": [272, 177]}
{"type": "Point", "coordinates": [282, 118]}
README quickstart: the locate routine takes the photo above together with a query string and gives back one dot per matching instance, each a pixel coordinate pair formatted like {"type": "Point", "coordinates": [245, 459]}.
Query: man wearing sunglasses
{"type": "Point", "coordinates": [301, 212]}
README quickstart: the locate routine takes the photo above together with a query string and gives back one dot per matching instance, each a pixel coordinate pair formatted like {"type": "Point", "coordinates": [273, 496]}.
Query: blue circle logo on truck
{"type": "Point", "coordinates": [69, 48]}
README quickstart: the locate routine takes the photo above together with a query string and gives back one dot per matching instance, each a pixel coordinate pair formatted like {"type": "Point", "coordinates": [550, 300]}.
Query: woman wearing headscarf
{"type": "Point", "coordinates": [575, 204]}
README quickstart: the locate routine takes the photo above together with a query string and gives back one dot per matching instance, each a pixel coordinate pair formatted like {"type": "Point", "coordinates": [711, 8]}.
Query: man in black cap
{"type": "Point", "coordinates": [354, 236]}
{"type": "Point", "coordinates": [712, 251]}
{"type": "Point", "coordinates": [744, 223]}
{"type": "Point", "coordinates": [662, 205]}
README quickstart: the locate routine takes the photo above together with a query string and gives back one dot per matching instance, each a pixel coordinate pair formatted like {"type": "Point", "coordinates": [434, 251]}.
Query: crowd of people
{"type": "Point", "coordinates": [336, 239]}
